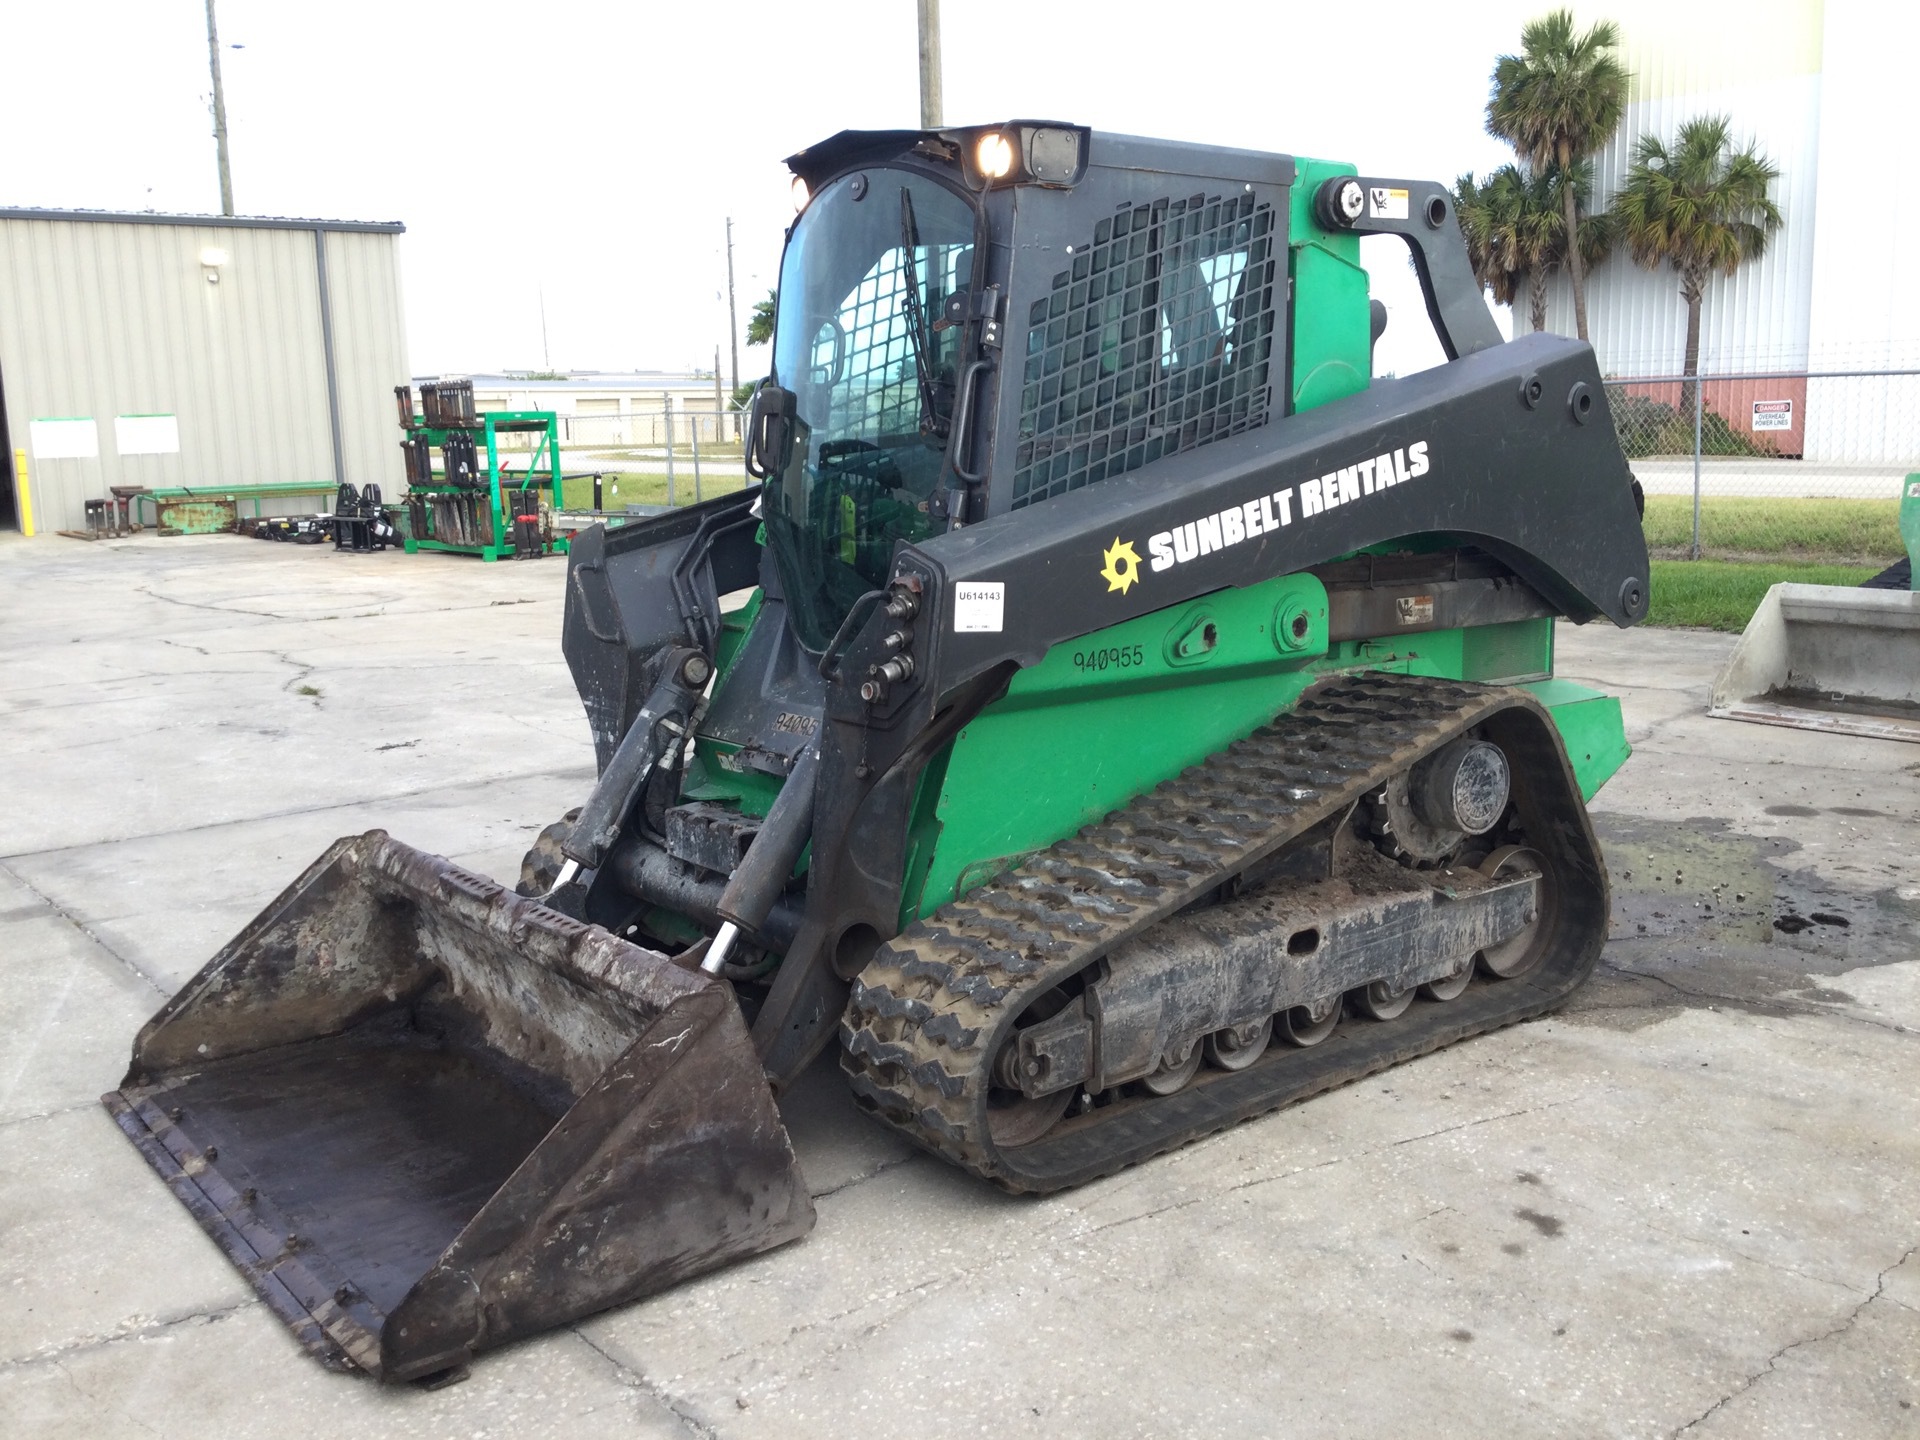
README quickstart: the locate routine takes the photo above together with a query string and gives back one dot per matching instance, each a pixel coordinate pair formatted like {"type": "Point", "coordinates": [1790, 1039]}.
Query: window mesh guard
{"type": "Point", "coordinates": [1155, 340]}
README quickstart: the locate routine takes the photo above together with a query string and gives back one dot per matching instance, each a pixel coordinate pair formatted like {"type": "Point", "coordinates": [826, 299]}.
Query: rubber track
{"type": "Point", "coordinates": [930, 1011]}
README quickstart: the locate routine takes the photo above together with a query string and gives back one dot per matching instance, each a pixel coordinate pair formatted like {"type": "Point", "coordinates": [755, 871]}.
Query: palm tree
{"type": "Point", "coordinates": [1557, 103]}
{"type": "Point", "coordinates": [760, 323]}
{"type": "Point", "coordinates": [1698, 205]}
{"type": "Point", "coordinates": [1515, 227]}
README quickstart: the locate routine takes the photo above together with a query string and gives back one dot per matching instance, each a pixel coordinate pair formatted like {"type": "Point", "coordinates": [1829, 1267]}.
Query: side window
{"type": "Point", "coordinates": [863, 356]}
{"type": "Point", "coordinates": [1156, 340]}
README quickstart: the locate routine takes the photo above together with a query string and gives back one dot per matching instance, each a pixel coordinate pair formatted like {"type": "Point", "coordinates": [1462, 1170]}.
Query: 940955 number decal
{"type": "Point", "coordinates": [1111, 657]}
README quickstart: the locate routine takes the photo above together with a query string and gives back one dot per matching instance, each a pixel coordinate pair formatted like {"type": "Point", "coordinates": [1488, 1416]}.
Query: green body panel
{"type": "Point", "coordinates": [1331, 349]}
{"type": "Point", "coordinates": [1591, 727]}
{"type": "Point", "coordinates": [1101, 721]}
{"type": "Point", "coordinates": [1910, 524]}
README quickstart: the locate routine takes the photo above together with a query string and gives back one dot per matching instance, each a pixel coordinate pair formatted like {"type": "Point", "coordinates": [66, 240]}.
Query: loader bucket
{"type": "Point", "coordinates": [426, 1116]}
{"type": "Point", "coordinates": [1828, 657]}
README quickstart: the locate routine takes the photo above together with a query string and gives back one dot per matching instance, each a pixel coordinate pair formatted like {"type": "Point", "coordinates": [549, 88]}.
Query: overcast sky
{"type": "Point", "coordinates": [591, 152]}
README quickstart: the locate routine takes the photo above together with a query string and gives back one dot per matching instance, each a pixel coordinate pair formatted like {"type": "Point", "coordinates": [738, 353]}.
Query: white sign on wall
{"type": "Point", "coordinates": [1773, 414]}
{"type": "Point", "coordinates": [146, 434]}
{"type": "Point", "coordinates": [65, 439]}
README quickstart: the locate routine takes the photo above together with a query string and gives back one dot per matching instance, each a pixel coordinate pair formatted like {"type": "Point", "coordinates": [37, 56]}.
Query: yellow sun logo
{"type": "Point", "coordinates": [1123, 566]}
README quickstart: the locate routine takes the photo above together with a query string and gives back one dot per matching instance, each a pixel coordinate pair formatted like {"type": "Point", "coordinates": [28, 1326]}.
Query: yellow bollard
{"type": "Point", "coordinates": [24, 489]}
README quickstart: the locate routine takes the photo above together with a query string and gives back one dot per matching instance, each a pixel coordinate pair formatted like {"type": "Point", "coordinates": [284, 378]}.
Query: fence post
{"type": "Point", "coordinates": [1696, 466]}
{"type": "Point", "coordinates": [693, 424]}
{"type": "Point", "coordinates": [666, 403]}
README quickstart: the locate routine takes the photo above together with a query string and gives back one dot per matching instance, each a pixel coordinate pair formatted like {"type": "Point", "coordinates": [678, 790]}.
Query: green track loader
{"type": "Point", "coordinates": [1112, 715]}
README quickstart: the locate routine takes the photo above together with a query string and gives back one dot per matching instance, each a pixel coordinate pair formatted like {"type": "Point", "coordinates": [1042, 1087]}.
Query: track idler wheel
{"type": "Point", "coordinates": [1453, 986]}
{"type": "Point", "coordinates": [1380, 1001]}
{"type": "Point", "coordinates": [1307, 1025]}
{"type": "Point", "coordinates": [1014, 1117]}
{"type": "Point", "coordinates": [1174, 1073]}
{"type": "Point", "coordinates": [1522, 950]}
{"type": "Point", "coordinates": [1236, 1049]}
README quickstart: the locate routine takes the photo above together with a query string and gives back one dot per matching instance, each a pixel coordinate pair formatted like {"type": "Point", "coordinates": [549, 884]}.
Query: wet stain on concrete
{"type": "Point", "coordinates": [1510, 1248]}
{"type": "Point", "coordinates": [1548, 1225]}
{"type": "Point", "coordinates": [1826, 995]}
{"type": "Point", "coordinates": [1527, 1177]}
{"type": "Point", "coordinates": [1705, 916]}
{"type": "Point", "coordinates": [1462, 1335]}
{"type": "Point", "coordinates": [1794, 812]}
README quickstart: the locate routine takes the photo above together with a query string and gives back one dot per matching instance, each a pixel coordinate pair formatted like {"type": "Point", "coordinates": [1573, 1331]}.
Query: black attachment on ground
{"type": "Point", "coordinates": [1897, 576]}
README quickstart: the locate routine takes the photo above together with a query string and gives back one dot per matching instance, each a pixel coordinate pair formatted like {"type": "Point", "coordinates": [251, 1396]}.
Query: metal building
{"type": "Point", "coordinates": [1818, 83]}
{"type": "Point", "coordinates": [193, 350]}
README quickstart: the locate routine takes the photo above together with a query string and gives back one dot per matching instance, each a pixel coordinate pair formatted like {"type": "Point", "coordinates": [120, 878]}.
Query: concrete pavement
{"type": "Point", "coordinates": [1683, 1205]}
{"type": "Point", "coordinates": [1723, 476]}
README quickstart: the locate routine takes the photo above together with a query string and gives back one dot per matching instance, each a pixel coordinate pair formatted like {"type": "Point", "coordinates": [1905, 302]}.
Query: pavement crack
{"type": "Point", "coordinates": [1186, 1201]}
{"type": "Point", "coordinates": [135, 1328]}
{"type": "Point", "coordinates": [634, 1380]}
{"type": "Point", "coordinates": [77, 923]}
{"type": "Point", "coordinates": [1478, 1121]}
{"type": "Point", "coordinates": [864, 1176]}
{"type": "Point", "coordinates": [1760, 1260]}
{"type": "Point", "coordinates": [1781, 1006]}
{"type": "Point", "coordinates": [572, 772]}
{"type": "Point", "coordinates": [1845, 1324]}
{"type": "Point", "coordinates": [48, 1114]}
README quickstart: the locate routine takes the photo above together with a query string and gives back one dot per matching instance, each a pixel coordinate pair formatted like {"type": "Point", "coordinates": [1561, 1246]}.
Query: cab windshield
{"type": "Point", "coordinates": [865, 282]}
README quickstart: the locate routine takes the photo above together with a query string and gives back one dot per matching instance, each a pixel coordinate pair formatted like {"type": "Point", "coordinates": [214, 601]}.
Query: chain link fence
{"type": "Point", "coordinates": [1755, 435]}
{"type": "Point", "coordinates": [1806, 434]}
{"type": "Point", "coordinates": [648, 456]}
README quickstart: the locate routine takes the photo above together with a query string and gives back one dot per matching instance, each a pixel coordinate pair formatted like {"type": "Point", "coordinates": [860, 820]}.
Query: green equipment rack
{"type": "Point", "coordinates": [478, 517]}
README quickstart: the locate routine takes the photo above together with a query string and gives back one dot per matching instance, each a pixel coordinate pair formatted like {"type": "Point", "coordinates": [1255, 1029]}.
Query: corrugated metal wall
{"type": "Point", "coordinates": [1760, 66]}
{"type": "Point", "coordinates": [103, 318]}
{"type": "Point", "coordinates": [370, 354]}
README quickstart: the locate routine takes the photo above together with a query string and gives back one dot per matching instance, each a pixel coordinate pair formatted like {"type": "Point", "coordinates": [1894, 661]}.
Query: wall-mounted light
{"type": "Point", "coordinates": [212, 257]}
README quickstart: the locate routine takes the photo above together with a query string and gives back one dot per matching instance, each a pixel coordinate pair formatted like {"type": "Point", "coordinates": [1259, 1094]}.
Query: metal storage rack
{"type": "Point", "coordinates": [472, 504]}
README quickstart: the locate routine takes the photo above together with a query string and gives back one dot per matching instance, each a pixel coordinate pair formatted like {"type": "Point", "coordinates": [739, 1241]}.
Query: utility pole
{"type": "Point", "coordinates": [733, 317]}
{"type": "Point", "coordinates": [219, 113]}
{"type": "Point", "coordinates": [930, 98]}
{"type": "Point", "coordinates": [546, 353]}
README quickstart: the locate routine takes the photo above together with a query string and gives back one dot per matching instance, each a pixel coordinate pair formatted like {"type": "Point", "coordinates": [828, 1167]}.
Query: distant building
{"type": "Point", "coordinates": [193, 350]}
{"type": "Point", "coordinates": [616, 408]}
{"type": "Point", "coordinates": [1822, 87]}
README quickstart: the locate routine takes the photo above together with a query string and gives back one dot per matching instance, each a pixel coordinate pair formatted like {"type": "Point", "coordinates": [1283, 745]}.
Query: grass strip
{"type": "Point", "coordinates": [621, 488]}
{"type": "Point", "coordinates": [1723, 594]}
{"type": "Point", "coordinates": [1832, 531]}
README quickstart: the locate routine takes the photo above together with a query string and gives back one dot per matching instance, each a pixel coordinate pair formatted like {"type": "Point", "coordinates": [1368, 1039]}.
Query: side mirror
{"type": "Point", "coordinates": [770, 430]}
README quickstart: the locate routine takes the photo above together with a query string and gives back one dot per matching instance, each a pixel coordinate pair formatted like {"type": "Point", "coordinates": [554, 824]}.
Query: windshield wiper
{"type": "Point", "coordinates": [932, 422]}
